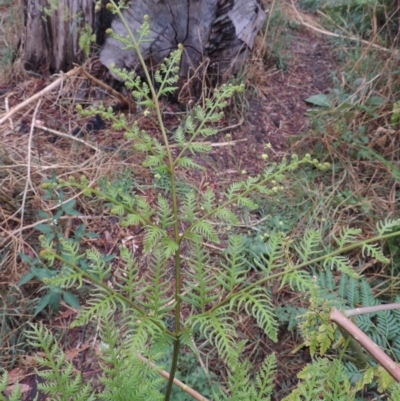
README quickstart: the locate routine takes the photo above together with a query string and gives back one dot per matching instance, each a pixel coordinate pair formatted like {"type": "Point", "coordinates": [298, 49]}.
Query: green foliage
{"type": "Point", "coordinates": [135, 300]}
{"type": "Point", "coordinates": [52, 232]}
{"type": "Point", "coordinates": [86, 37]}
{"type": "Point", "coordinates": [61, 382]}
{"type": "Point", "coordinates": [359, 17]}
{"type": "Point", "coordinates": [323, 379]}
{"type": "Point", "coordinates": [242, 387]}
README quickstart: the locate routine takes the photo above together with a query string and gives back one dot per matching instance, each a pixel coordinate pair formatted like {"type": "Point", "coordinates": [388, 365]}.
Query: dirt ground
{"type": "Point", "coordinates": [273, 114]}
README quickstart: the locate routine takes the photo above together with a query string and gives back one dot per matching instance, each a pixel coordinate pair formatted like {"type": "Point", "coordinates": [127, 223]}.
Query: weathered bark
{"type": "Point", "coordinates": [51, 35]}
{"type": "Point", "coordinates": [221, 32]}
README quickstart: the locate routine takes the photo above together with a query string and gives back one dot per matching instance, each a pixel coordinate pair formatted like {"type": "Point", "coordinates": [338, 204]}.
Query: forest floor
{"type": "Point", "coordinates": [47, 135]}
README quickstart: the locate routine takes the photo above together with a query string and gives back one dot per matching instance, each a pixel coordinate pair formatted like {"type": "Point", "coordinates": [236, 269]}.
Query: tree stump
{"type": "Point", "coordinates": [53, 29]}
{"type": "Point", "coordinates": [218, 33]}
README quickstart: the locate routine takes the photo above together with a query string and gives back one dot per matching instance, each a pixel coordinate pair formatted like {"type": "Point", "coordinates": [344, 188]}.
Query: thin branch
{"type": "Point", "coordinates": [370, 309]}
{"type": "Point", "coordinates": [38, 95]}
{"type": "Point", "coordinates": [178, 383]}
{"type": "Point", "coordinates": [69, 136]}
{"type": "Point", "coordinates": [108, 88]}
{"type": "Point", "coordinates": [387, 363]}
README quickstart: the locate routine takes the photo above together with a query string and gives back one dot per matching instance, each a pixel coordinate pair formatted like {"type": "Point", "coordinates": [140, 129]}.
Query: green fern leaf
{"type": "Point", "coordinates": [375, 251]}
{"type": "Point", "coordinates": [151, 237]}
{"type": "Point", "coordinates": [218, 328]}
{"type": "Point", "coordinates": [187, 162]}
{"type": "Point", "coordinates": [309, 245]}
{"type": "Point", "coordinates": [208, 200]}
{"type": "Point", "coordinates": [386, 226]}
{"type": "Point", "coordinates": [342, 263]}
{"type": "Point", "coordinates": [265, 378]}
{"type": "Point", "coordinates": [200, 288]}
{"type": "Point", "coordinates": [348, 236]}
{"type": "Point", "coordinates": [258, 304]}
{"type": "Point", "coordinates": [206, 230]}
{"type": "Point", "coordinates": [131, 220]}
{"type": "Point", "coordinates": [226, 215]}
{"type": "Point", "coordinates": [234, 270]}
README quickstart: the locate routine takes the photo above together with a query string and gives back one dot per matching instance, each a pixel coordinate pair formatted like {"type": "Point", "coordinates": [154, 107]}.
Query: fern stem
{"type": "Point", "coordinates": [171, 168]}
{"type": "Point", "coordinates": [302, 265]}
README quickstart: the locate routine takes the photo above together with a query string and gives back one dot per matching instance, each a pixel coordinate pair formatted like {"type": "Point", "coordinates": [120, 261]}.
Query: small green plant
{"type": "Point", "coordinates": [139, 301]}
{"type": "Point", "coordinates": [52, 232]}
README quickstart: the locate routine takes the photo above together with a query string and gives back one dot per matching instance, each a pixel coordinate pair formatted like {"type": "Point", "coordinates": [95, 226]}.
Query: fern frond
{"type": "Point", "coordinates": [309, 244]}
{"type": "Point", "coordinates": [226, 215]}
{"type": "Point", "coordinates": [375, 251]}
{"type": "Point", "coordinates": [347, 236]}
{"type": "Point", "coordinates": [265, 378]}
{"type": "Point", "coordinates": [100, 303]}
{"type": "Point", "coordinates": [366, 294]}
{"type": "Point", "coordinates": [274, 254]}
{"type": "Point", "coordinates": [386, 226]}
{"type": "Point", "coordinates": [298, 281]}
{"type": "Point", "coordinates": [387, 325]}
{"type": "Point", "coordinates": [234, 270]}
{"type": "Point", "coordinates": [152, 236]}
{"type": "Point", "coordinates": [158, 295]}
{"type": "Point", "coordinates": [218, 328]}
{"type": "Point", "coordinates": [179, 136]}
{"type": "Point", "coordinates": [257, 303]}
{"type": "Point", "coordinates": [189, 206]}
{"type": "Point", "coordinates": [187, 162]}
{"type": "Point", "coordinates": [353, 292]}
{"type": "Point", "coordinates": [62, 383]}
{"type": "Point", "coordinates": [127, 280]}
{"type": "Point", "coordinates": [164, 213]}
{"type": "Point", "coordinates": [325, 380]}
{"type": "Point", "coordinates": [206, 231]}
{"type": "Point", "coordinates": [16, 393]}
{"type": "Point", "coordinates": [198, 148]}
{"type": "Point", "coordinates": [127, 377]}
{"type": "Point", "coordinates": [200, 288]}
{"type": "Point", "coordinates": [143, 207]}
{"type": "Point", "coordinates": [131, 219]}
{"type": "Point", "coordinates": [208, 200]}
{"type": "Point", "coordinates": [342, 263]}
{"type": "Point", "coordinates": [233, 190]}
{"type": "Point", "coordinates": [243, 201]}
{"type": "Point", "coordinates": [153, 161]}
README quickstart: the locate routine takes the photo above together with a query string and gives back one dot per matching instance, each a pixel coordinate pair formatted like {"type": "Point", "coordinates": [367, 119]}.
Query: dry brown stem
{"type": "Point", "coordinates": [387, 363]}
{"type": "Point", "coordinates": [48, 88]}
{"type": "Point", "coordinates": [177, 382]}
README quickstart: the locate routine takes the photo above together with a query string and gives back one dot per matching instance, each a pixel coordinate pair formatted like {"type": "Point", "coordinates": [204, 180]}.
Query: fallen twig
{"type": "Point", "coordinates": [108, 88]}
{"type": "Point", "coordinates": [178, 383]}
{"type": "Point", "coordinates": [69, 136]}
{"type": "Point", "coordinates": [48, 88]}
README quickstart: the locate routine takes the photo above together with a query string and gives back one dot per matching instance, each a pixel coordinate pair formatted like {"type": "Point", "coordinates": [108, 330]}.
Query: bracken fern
{"type": "Point", "coordinates": [180, 271]}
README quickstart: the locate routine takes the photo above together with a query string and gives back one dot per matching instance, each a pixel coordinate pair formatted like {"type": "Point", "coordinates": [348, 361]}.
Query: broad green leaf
{"type": "Point", "coordinates": [320, 100]}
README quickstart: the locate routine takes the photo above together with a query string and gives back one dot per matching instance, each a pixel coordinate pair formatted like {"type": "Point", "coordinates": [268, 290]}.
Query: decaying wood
{"type": "Point", "coordinates": [219, 31]}
{"type": "Point", "coordinates": [51, 41]}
